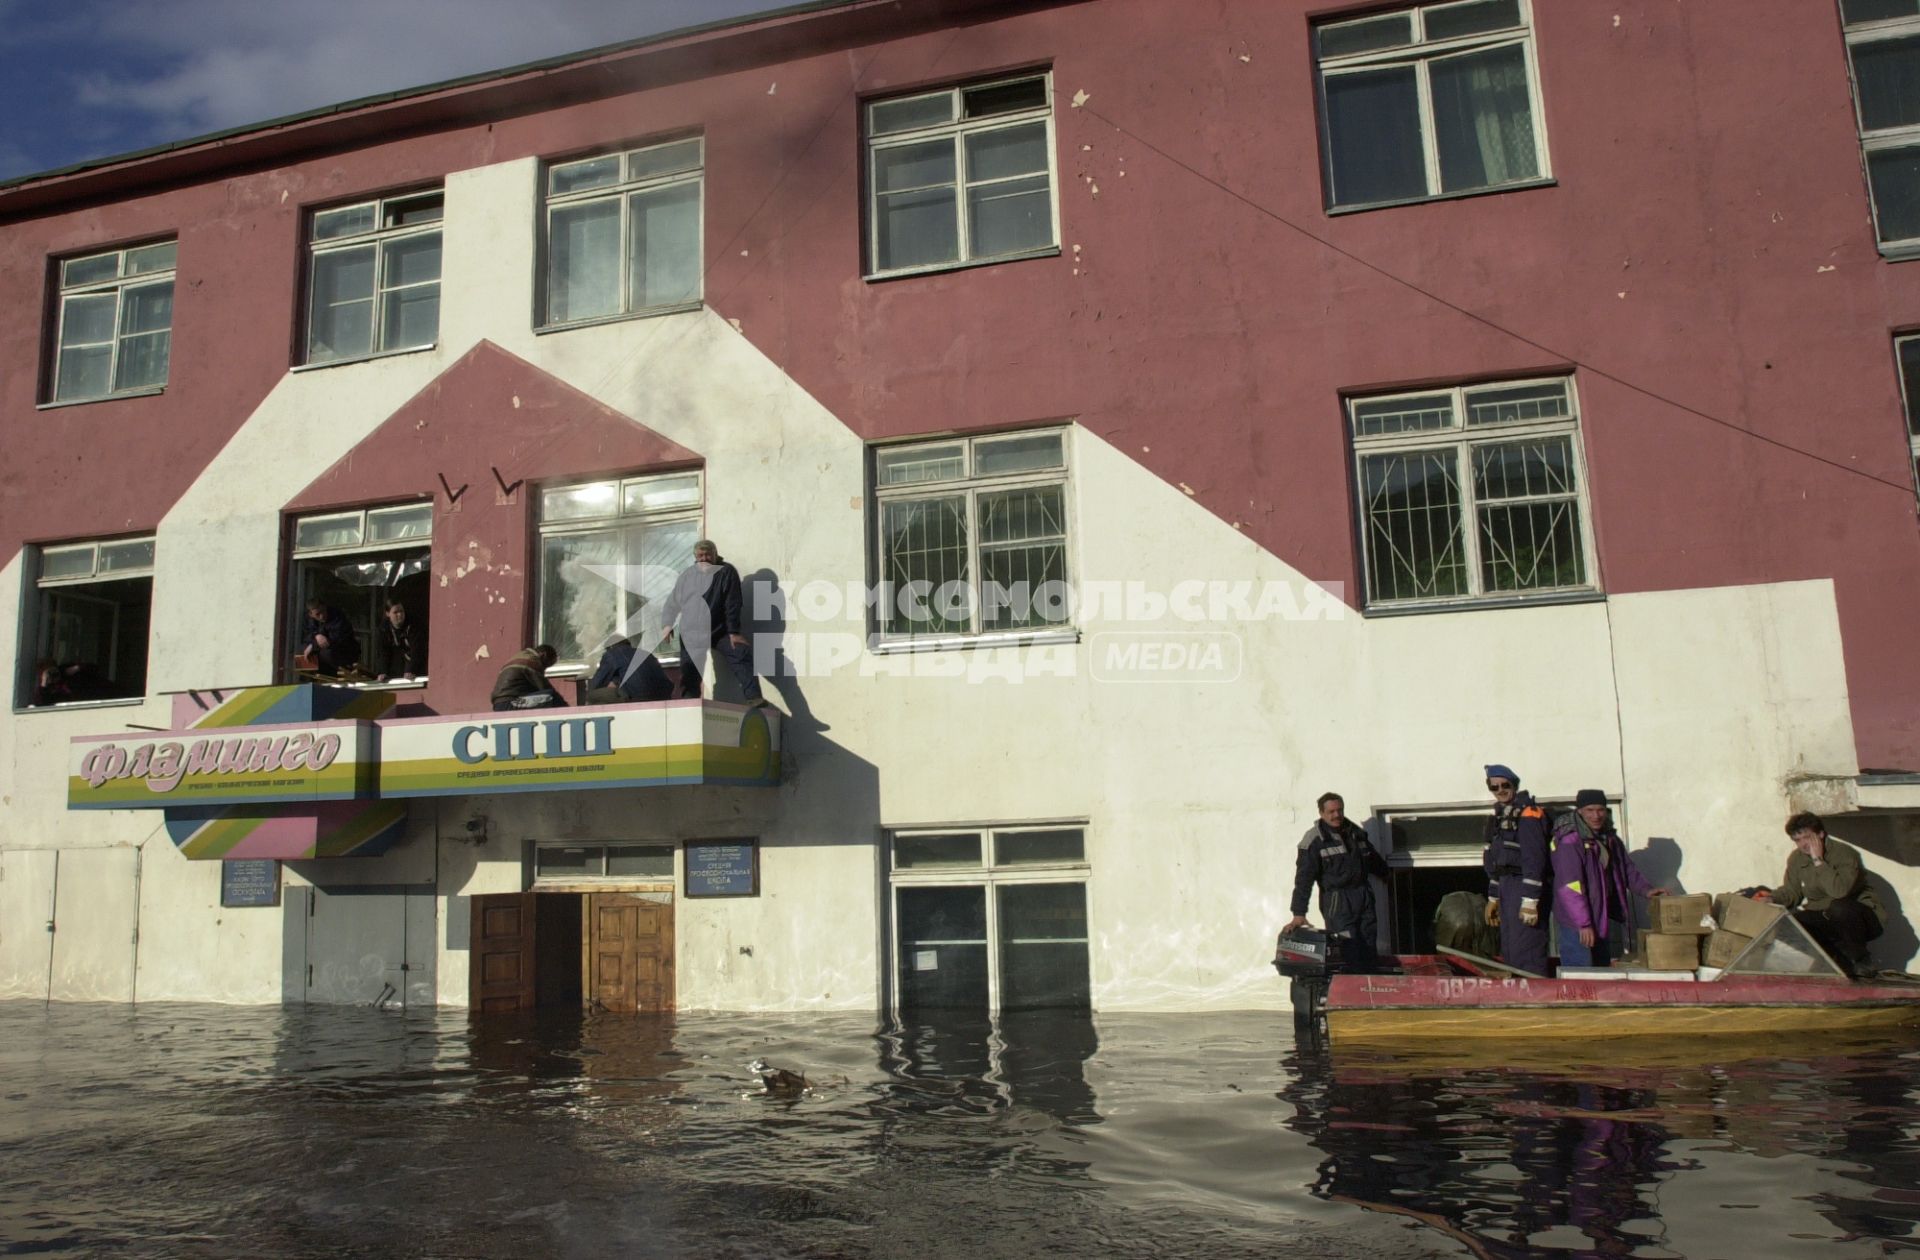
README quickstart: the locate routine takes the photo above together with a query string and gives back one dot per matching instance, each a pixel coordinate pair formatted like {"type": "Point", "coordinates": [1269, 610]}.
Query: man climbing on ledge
{"type": "Point", "coordinates": [1518, 882]}
{"type": "Point", "coordinates": [1337, 854]}
{"type": "Point", "coordinates": [705, 607]}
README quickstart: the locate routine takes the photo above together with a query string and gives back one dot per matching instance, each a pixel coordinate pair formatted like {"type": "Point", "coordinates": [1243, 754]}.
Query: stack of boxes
{"type": "Point", "coordinates": [1698, 930]}
{"type": "Point", "coordinates": [1741, 919]}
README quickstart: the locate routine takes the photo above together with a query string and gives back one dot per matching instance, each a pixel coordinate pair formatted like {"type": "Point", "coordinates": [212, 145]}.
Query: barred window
{"type": "Point", "coordinates": [1470, 493]}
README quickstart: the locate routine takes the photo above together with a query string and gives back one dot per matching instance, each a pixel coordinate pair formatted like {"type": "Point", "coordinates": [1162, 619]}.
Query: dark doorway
{"type": "Point", "coordinates": [1415, 893]}
{"type": "Point", "coordinates": [557, 971]}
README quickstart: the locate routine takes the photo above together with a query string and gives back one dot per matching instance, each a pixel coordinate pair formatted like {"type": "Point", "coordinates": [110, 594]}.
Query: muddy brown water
{"type": "Point", "coordinates": [183, 1130]}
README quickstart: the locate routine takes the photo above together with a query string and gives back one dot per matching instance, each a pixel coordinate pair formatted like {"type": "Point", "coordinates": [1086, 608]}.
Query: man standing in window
{"type": "Point", "coordinates": [405, 644]}
{"type": "Point", "coordinates": [1336, 853]}
{"type": "Point", "coordinates": [331, 645]}
{"type": "Point", "coordinates": [705, 608]}
{"type": "Point", "coordinates": [1516, 858]}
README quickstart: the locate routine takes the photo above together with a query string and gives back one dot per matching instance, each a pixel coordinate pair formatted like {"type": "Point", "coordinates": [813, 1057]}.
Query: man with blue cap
{"type": "Point", "coordinates": [1518, 875]}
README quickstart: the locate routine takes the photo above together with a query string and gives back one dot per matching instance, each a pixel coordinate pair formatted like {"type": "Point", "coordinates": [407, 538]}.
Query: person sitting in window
{"type": "Point", "coordinates": [628, 674]}
{"type": "Point", "coordinates": [523, 682]}
{"type": "Point", "coordinates": [403, 643]}
{"type": "Point", "coordinates": [56, 683]}
{"type": "Point", "coordinates": [332, 647]}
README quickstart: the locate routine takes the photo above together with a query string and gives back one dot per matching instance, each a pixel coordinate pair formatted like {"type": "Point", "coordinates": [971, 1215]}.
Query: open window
{"type": "Point", "coordinates": [88, 615]}
{"type": "Point", "coordinates": [610, 552]}
{"type": "Point", "coordinates": [361, 564]}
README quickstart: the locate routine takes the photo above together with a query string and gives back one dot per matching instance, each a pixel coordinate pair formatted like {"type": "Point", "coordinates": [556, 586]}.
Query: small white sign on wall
{"type": "Point", "coordinates": [926, 960]}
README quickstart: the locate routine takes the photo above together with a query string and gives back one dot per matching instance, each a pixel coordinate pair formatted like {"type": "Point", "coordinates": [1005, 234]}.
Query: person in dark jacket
{"type": "Point", "coordinates": [1593, 882]}
{"type": "Point", "coordinates": [1518, 878]}
{"type": "Point", "coordinates": [705, 607]}
{"type": "Point", "coordinates": [523, 684]}
{"type": "Point", "coordinates": [403, 643]}
{"type": "Point", "coordinates": [1826, 890]}
{"type": "Point", "coordinates": [331, 642]}
{"type": "Point", "coordinates": [628, 674]}
{"type": "Point", "coordinates": [1336, 854]}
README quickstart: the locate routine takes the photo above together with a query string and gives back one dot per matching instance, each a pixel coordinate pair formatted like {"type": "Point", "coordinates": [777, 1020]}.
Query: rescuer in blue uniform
{"type": "Point", "coordinates": [1519, 874]}
{"type": "Point", "coordinates": [1337, 855]}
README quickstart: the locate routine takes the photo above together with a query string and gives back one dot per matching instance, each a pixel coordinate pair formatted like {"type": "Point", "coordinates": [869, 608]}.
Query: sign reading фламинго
{"type": "Point", "coordinates": [239, 765]}
{"type": "Point", "coordinates": [727, 868]}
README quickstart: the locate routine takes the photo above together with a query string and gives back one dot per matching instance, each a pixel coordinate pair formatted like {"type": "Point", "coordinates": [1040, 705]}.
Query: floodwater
{"type": "Point", "coordinates": [175, 1130]}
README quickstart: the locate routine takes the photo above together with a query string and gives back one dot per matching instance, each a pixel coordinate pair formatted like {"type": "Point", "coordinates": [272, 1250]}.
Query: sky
{"type": "Point", "coordinates": [83, 79]}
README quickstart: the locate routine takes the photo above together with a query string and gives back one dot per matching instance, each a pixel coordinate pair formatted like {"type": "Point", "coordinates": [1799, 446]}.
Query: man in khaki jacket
{"type": "Point", "coordinates": [1826, 889]}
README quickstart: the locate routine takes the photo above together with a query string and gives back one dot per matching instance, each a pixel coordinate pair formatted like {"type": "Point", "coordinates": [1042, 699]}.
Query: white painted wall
{"type": "Point", "coordinates": [1194, 792]}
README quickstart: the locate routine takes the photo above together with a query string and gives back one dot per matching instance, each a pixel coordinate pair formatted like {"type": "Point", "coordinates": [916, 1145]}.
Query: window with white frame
{"type": "Point", "coordinates": [88, 618]}
{"type": "Point", "coordinates": [1908, 348]}
{"type": "Point", "coordinates": [359, 563]}
{"type": "Point", "coordinates": [1883, 50]}
{"type": "Point", "coordinates": [1471, 493]}
{"type": "Point", "coordinates": [1429, 101]}
{"type": "Point", "coordinates": [972, 535]}
{"type": "Point", "coordinates": [990, 918]}
{"type": "Point", "coordinates": [617, 862]}
{"type": "Point", "coordinates": [373, 284]}
{"type": "Point", "coordinates": [610, 552]}
{"type": "Point", "coordinates": [623, 233]}
{"type": "Point", "coordinates": [961, 175]}
{"type": "Point", "coordinates": [116, 322]}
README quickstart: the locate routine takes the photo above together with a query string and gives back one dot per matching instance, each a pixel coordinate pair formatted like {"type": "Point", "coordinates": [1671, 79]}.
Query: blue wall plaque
{"type": "Point", "coordinates": [250, 882]}
{"type": "Point", "coordinates": [728, 868]}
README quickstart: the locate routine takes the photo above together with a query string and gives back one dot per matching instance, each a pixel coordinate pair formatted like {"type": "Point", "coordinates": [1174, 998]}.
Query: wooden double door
{"type": "Point", "coordinates": [620, 943]}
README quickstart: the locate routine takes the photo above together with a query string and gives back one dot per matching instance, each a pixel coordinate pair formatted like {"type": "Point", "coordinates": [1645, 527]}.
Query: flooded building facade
{"type": "Point", "coordinates": [1118, 451]}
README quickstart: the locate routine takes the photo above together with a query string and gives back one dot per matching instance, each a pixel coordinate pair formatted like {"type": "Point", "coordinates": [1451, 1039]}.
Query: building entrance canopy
{"type": "Point", "coordinates": [315, 771]}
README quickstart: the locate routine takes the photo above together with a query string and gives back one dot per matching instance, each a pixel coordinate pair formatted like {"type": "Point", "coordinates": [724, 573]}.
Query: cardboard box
{"type": "Point", "coordinates": [1746, 916]}
{"type": "Point", "coordinates": [1691, 915]}
{"type": "Point", "coordinates": [1673, 952]}
{"type": "Point", "coordinates": [1724, 946]}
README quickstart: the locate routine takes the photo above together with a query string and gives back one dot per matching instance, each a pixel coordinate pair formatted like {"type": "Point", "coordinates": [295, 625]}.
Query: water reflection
{"type": "Point", "coordinates": [210, 1131]}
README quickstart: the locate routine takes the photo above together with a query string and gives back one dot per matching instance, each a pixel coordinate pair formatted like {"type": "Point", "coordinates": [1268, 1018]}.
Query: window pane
{"type": "Point", "coordinates": [1854, 11]}
{"type": "Point", "coordinates": [584, 261]}
{"type": "Point", "coordinates": [1513, 470]}
{"type": "Point", "coordinates": [349, 221]}
{"type": "Point", "coordinates": [925, 567]}
{"type": "Point", "coordinates": [996, 456]}
{"type": "Point", "coordinates": [912, 112]}
{"type": "Point", "coordinates": [1888, 74]}
{"type": "Point", "coordinates": [553, 860]}
{"type": "Point", "coordinates": [98, 631]}
{"type": "Point", "coordinates": [898, 467]}
{"type": "Point", "coordinates": [412, 260]}
{"type": "Point", "coordinates": [1473, 18]}
{"type": "Point", "coordinates": [1023, 558]}
{"type": "Point", "coordinates": [1043, 946]}
{"type": "Point", "coordinates": [1373, 136]}
{"type": "Point", "coordinates": [147, 308]}
{"type": "Point", "coordinates": [327, 531]}
{"type": "Point", "coordinates": [665, 159]}
{"type": "Point", "coordinates": [581, 602]}
{"type": "Point", "coordinates": [83, 373]}
{"type": "Point", "coordinates": [1003, 98]}
{"type": "Point", "coordinates": [1895, 175]}
{"type": "Point", "coordinates": [88, 320]}
{"type": "Point", "coordinates": [89, 270]}
{"type": "Point", "coordinates": [342, 324]}
{"type": "Point", "coordinates": [918, 853]}
{"type": "Point", "coordinates": [657, 554]}
{"type": "Point", "coordinates": [917, 229]}
{"type": "Point", "coordinates": [1413, 525]}
{"type": "Point", "coordinates": [1528, 545]}
{"type": "Point", "coordinates": [393, 524]}
{"type": "Point", "coordinates": [66, 562]}
{"type": "Point", "coordinates": [906, 166]}
{"type": "Point", "coordinates": [1521, 402]}
{"type": "Point", "coordinates": [411, 318]}
{"type": "Point", "coordinates": [655, 493]}
{"type": "Point", "coordinates": [143, 361]}
{"type": "Point", "coordinates": [599, 172]}
{"type": "Point", "coordinates": [574, 503]}
{"type": "Point", "coordinates": [1343, 38]}
{"type": "Point", "coordinates": [1009, 217]}
{"type": "Point", "coordinates": [635, 861]}
{"type": "Point", "coordinates": [943, 947]}
{"type": "Point", "coordinates": [1402, 415]}
{"type": "Point", "coordinates": [1483, 119]}
{"type": "Point", "coordinates": [664, 248]}
{"type": "Point", "coordinates": [151, 258]}
{"type": "Point", "coordinates": [1006, 152]}
{"type": "Point", "coordinates": [1037, 848]}
{"type": "Point", "coordinates": [136, 553]}
{"type": "Point", "coordinates": [416, 210]}
{"type": "Point", "coordinates": [1910, 380]}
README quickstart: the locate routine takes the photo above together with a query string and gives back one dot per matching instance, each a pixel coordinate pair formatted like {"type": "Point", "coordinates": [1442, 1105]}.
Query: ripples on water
{"type": "Point", "coordinates": [335, 1132]}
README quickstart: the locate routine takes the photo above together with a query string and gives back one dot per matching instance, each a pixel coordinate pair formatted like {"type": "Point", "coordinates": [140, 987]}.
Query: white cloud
{"type": "Point", "coordinates": [225, 63]}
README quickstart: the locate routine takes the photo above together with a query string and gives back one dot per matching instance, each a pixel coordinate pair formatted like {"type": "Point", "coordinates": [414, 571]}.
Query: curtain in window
{"type": "Point", "coordinates": [581, 602]}
{"type": "Point", "coordinates": [146, 337]}
{"type": "Point", "coordinates": [1483, 116]}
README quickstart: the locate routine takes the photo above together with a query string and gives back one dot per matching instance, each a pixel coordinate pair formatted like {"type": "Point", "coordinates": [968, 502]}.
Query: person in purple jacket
{"type": "Point", "coordinates": [1593, 881]}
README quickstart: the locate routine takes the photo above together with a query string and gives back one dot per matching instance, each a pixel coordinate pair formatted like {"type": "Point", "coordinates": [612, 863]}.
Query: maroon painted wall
{"type": "Point", "coordinates": [1705, 263]}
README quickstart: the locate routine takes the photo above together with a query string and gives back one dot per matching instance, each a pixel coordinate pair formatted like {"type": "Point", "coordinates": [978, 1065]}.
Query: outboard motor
{"type": "Point", "coordinates": [1308, 957]}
